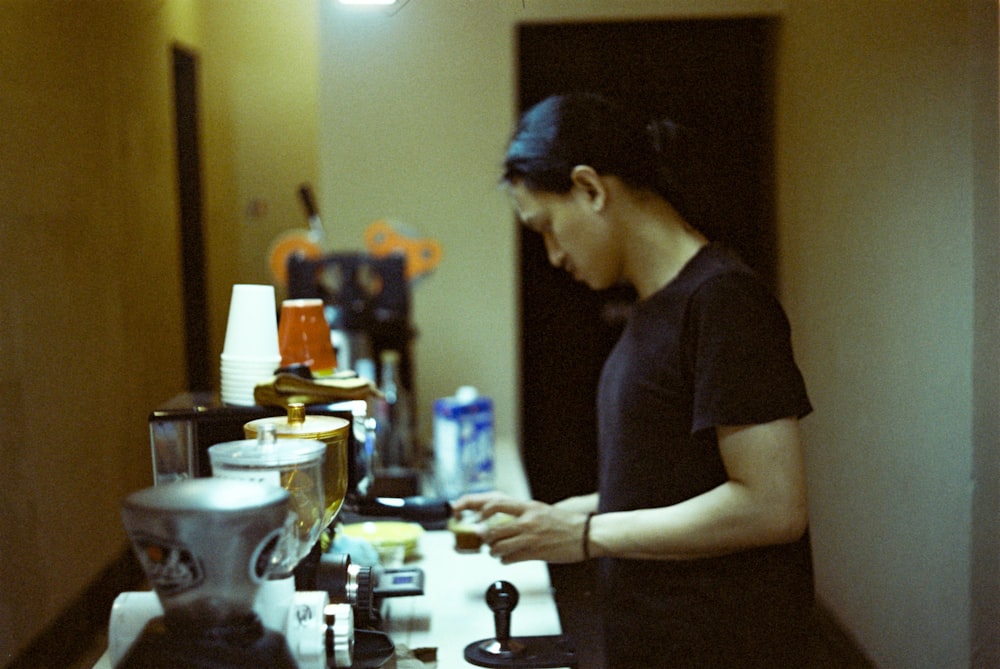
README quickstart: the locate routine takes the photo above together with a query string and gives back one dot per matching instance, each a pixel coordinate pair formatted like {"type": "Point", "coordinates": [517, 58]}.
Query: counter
{"type": "Point", "coordinates": [453, 612]}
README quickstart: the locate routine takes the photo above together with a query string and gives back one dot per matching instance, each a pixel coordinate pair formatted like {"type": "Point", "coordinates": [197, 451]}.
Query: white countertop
{"type": "Point", "coordinates": [453, 612]}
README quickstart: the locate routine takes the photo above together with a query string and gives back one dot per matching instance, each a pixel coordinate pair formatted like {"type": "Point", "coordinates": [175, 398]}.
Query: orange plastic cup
{"type": "Point", "coordinates": [304, 336]}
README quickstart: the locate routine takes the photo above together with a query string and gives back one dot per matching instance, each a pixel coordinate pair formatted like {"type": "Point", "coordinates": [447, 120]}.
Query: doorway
{"type": "Point", "coordinates": [193, 279]}
{"type": "Point", "coordinates": [715, 78]}
{"type": "Point", "coordinates": [712, 76]}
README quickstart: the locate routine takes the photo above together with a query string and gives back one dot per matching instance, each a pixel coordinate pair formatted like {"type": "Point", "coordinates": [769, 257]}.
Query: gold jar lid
{"type": "Point", "coordinates": [300, 426]}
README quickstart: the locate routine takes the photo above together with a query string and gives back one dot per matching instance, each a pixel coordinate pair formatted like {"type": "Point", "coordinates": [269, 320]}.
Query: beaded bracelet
{"type": "Point", "coordinates": [586, 535]}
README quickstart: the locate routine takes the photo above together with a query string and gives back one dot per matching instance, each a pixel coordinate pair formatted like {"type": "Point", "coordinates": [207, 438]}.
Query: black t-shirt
{"type": "Point", "coordinates": [711, 348]}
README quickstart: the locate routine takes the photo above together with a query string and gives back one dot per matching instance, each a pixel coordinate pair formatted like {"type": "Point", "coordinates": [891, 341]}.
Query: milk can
{"type": "Point", "coordinates": [463, 443]}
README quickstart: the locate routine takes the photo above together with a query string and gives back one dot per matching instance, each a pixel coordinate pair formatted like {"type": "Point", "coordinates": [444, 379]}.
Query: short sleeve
{"type": "Point", "coordinates": [739, 343]}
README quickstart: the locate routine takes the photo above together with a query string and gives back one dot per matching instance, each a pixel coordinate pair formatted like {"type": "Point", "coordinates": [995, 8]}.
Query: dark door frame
{"type": "Point", "coordinates": [193, 271]}
{"type": "Point", "coordinates": [713, 76]}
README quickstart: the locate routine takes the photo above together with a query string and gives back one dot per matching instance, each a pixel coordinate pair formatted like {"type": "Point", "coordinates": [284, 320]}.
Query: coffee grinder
{"type": "Point", "coordinates": [317, 633]}
{"type": "Point", "coordinates": [207, 545]}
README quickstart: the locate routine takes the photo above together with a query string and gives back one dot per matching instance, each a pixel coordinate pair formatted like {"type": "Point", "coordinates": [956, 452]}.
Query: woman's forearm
{"type": "Point", "coordinates": [763, 503]}
{"type": "Point", "coordinates": [579, 504]}
{"type": "Point", "coordinates": [721, 521]}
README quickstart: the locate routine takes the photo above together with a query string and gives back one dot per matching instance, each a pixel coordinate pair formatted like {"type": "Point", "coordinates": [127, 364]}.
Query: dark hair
{"type": "Point", "coordinates": [564, 131]}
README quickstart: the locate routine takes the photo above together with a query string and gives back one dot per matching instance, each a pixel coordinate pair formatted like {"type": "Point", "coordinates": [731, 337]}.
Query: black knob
{"type": "Point", "coordinates": [502, 597]}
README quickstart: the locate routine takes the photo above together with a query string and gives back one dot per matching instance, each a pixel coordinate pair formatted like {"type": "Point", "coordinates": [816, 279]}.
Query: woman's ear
{"type": "Point", "coordinates": [589, 184]}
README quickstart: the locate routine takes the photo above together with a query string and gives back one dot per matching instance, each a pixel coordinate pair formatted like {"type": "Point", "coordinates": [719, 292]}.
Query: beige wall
{"type": "Point", "coordinates": [91, 333]}
{"type": "Point", "coordinates": [878, 237]}
{"type": "Point", "coordinates": [260, 87]}
{"type": "Point", "coordinates": [416, 107]}
{"type": "Point", "coordinates": [883, 255]}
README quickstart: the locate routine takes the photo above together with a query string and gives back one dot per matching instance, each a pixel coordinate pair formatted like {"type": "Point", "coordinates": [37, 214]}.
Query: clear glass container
{"type": "Point", "coordinates": [294, 464]}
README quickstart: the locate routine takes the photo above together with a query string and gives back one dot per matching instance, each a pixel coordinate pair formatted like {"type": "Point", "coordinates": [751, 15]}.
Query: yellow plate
{"type": "Point", "coordinates": [386, 533]}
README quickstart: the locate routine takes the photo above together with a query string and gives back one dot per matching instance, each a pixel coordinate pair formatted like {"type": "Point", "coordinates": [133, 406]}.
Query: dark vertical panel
{"type": "Point", "coordinates": [712, 76]}
{"type": "Point", "coordinates": [199, 370]}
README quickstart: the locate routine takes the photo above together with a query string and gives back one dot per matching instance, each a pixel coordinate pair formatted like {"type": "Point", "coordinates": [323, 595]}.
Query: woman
{"type": "Point", "coordinates": [700, 519]}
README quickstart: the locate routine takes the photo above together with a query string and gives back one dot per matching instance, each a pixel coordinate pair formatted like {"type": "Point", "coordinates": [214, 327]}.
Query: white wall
{"type": "Point", "coordinates": [880, 260]}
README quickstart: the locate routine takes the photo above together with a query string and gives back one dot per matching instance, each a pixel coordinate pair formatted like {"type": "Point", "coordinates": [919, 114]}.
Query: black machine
{"type": "Point", "coordinates": [367, 298]}
{"type": "Point", "coordinates": [190, 423]}
{"type": "Point", "coordinates": [367, 304]}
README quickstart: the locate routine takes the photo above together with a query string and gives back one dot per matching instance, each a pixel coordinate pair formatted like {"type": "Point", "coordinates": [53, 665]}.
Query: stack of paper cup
{"type": "Point", "coordinates": [250, 353]}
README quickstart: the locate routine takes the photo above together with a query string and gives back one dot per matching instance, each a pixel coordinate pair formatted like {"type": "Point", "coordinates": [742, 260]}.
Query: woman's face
{"type": "Point", "coordinates": [577, 237]}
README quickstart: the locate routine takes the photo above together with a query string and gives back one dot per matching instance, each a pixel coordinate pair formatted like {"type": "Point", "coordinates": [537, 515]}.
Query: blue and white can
{"type": "Point", "coordinates": [463, 443]}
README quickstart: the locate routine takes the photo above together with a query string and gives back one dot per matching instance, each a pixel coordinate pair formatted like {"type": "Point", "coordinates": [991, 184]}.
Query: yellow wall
{"type": "Point", "coordinates": [91, 327]}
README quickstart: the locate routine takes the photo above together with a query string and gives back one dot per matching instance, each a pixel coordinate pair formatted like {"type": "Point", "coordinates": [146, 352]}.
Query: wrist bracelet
{"type": "Point", "coordinates": [586, 535]}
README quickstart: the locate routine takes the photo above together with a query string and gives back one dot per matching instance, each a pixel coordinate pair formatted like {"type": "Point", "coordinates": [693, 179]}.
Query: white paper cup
{"type": "Point", "coordinates": [247, 374]}
{"type": "Point", "coordinates": [251, 361]}
{"type": "Point", "coordinates": [265, 368]}
{"type": "Point", "coordinates": [252, 328]}
{"type": "Point", "coordinates": [240, 375]}
{"type": "Point", "coordinates": [237, 396]}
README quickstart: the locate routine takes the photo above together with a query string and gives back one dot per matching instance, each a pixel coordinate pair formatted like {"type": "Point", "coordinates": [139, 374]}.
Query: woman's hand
{"type": "Point", "coordinates": [763, 503]}
{"type": "Point", "coordinates": [534, 531]}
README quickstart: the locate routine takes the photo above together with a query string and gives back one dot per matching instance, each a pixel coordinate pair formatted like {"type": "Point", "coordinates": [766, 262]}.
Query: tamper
{"type": "Point", "coordinates": [502, 597]}
{"type": "Point", "coordinates": [503, 650]}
